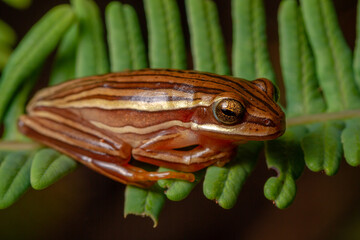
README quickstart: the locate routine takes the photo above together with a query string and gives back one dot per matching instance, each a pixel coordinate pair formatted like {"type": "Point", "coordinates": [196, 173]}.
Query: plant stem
{"type": "Point", "coordinates": [18, 146]}
{"type": "Point", "coordinates": [322, 117]}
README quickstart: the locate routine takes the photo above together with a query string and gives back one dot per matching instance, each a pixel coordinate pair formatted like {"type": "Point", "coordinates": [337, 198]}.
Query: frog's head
{"type": "Point", "coordinates": [249, 112]}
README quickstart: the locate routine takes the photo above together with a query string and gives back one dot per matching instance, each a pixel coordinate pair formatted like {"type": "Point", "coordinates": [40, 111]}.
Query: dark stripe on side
{"type": "Point", "coordinates": [156, 86]}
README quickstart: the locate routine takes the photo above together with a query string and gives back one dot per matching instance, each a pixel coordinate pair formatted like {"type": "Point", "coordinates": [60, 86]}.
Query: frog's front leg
{"type": "Point", "coordinates": [94, 149]}
{"type": "Point", "coordinates": [183, 151]}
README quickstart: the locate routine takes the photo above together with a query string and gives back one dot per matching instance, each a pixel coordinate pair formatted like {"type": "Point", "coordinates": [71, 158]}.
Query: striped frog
{"type": "Point", "coordinates": [180, 119]}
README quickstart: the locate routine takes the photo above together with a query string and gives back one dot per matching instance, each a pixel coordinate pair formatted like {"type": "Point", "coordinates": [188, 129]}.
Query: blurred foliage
{"type": "Point", "coordinates": [7, 34]}
{"type": "Point", "coordinates": [7, 41]}
{"type": "Point", "coordinates": [19, 4]}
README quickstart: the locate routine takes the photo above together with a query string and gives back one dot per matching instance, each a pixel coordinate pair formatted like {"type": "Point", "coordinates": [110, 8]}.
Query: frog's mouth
{"type": "Point", "coordinates": [186, 148]}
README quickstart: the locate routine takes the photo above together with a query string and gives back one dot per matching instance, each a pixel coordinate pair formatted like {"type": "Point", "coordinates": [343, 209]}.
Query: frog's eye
{"type": "Point", "coordinates": [228, 111]}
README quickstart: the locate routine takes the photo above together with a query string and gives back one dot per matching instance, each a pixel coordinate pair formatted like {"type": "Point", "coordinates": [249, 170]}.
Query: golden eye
{"type": "Point", "coordinates": [228, 111]}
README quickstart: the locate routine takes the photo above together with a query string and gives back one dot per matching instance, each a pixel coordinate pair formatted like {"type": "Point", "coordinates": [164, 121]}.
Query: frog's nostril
{"type": "Point", "coordinates": [268, 122]}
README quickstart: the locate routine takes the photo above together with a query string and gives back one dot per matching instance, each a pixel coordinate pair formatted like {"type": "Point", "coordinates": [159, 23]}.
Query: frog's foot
{"type": "Point", "coordinates": [129, 174]}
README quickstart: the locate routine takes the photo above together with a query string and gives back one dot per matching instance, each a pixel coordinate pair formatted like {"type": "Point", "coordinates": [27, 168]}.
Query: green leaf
{"type": "Point", "coordinates": [250, 58]}
{"type": "Point", "coordinates": [207, 43]}
{"type": "Point", "coordinates": [285, 156]}
{"type": "Point", "coordinates": [7, 40]}
{"type": "Point", "coordinates": [350, 139]}
{"type": "Point", "coordinates": [16, 108]}
{"type": "Point", "coordinates": [20, 4]}
{"type": "Point", "coordinates": [7, 34]}
{"type": "Point", "coordinates": [281, 190]}
{"type": "Point", "coordinates": [33, 50]}
{"type": "Point", "coordinates": [64, 65]}
{"type": "Point", "coordinates": [144, 202]}
{"type": "Point", "coordinates": [333, 55]}
{"type": "Point", "coordinates": [303, 95]}
{"type": "Point", "coordinates": [126, 44]}
{"type": "Point", "coordinates": [166, 39]}
{"type": "Point", "coordinates": [5, 53]}
{"type": "Point", "coordinates": [177, 190]}
{"type": "Point", "coordinates": [322, 147]}
{"type": "Point", "coordinates": [356, 60]}
{"type": "Point", "coordinates": [49, 166]}
{"type": "Point", "coordinates": [91, 56]}
{"type": "Point", "coordinates": [14, 177]}
{"type": "Point", "coordinates": [3, 154]}
{"type": "Point", "coordinates": [223, 184]}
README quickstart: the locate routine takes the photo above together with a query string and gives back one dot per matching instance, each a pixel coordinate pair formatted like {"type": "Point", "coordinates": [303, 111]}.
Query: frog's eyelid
{"type": "Point", "coordinates": [268, 87]}
{"type": "Point", "coordinates": [262, 83]}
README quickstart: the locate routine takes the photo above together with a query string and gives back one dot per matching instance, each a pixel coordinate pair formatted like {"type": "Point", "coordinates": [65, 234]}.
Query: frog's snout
{"type": "Point", "coordinates": [281, 126]}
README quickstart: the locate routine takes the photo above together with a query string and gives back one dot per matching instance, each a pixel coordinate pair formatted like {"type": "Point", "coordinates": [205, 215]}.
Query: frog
{"type": "Point", "coordinates": [184, 120]}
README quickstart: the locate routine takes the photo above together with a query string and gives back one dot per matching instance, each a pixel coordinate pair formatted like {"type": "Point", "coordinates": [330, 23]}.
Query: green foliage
{"type": "Point", "coordinates": [250, 55]}
{"type": "Point", "coordinates": [20, 4]}
{"type": "Point", "coordinates": [328, 152]}
{"type": "Point", "coordinates": [334, 69]}
{"type": "Point", "coordinates": [7, 34]}
{"type": "Point", "coordinates": [285, 156]}
{"type": "Point", "coordinates": [15, 177]}
{"type": "Point", "coordinates": [32, 51]}
{"type": "Point", "coordinates": [207, 42]}
{"type": "Point", "coordinates": [223, 184]}
{"type": "Point", "coordinates": [82, 51]}
{"type": "Point", "coordinates": [126, 45]}
{"type": "Point", "coordinates": [166, 41]}
{"type": "Point", "coordinates": [91, 56]}
{"type": "Point", "coordinates": [297, 63]}
{"type": "Point", "coordinates": [333, 55]}
{"type": "Point", "coordinates": [7, 41]}
{"type": "Point", "coordinates": [356, 62]}
{"type": "Point", "coordinates": [351, 142]}
{"type": "Point", "coordinates": [5, 52]}
{"type": "Point", "coordinates": [48, 166]}
{"type": "Point", "coordinates": [177, 190]}
{"type": "Point", "coordinates": [144, 202]}
{"type": "Point", "coordinates": [64, 65]}
{"type": "Point", "coordinates": [14, 111]}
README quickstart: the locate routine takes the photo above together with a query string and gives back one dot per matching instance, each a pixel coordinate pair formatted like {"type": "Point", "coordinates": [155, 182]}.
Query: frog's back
{"type": "Point", "coordinates": [143, 101]}
{"type": "Point", "coordinates": [142, 90]}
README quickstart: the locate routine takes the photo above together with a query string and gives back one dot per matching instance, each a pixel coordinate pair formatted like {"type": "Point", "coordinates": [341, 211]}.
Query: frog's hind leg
{"type": "Point", "coordinates": [101, 154]}
{"type": "Point", "coordinates": [138, 176]}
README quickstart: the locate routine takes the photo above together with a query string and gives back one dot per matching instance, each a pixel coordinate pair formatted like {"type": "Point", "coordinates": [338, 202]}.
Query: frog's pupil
{"type": "Point", "coordinates": [228, 112]}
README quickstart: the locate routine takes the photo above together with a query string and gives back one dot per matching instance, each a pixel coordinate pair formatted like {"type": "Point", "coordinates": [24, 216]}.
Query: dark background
{"type": "Point", "coordinates": [86, 205]}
